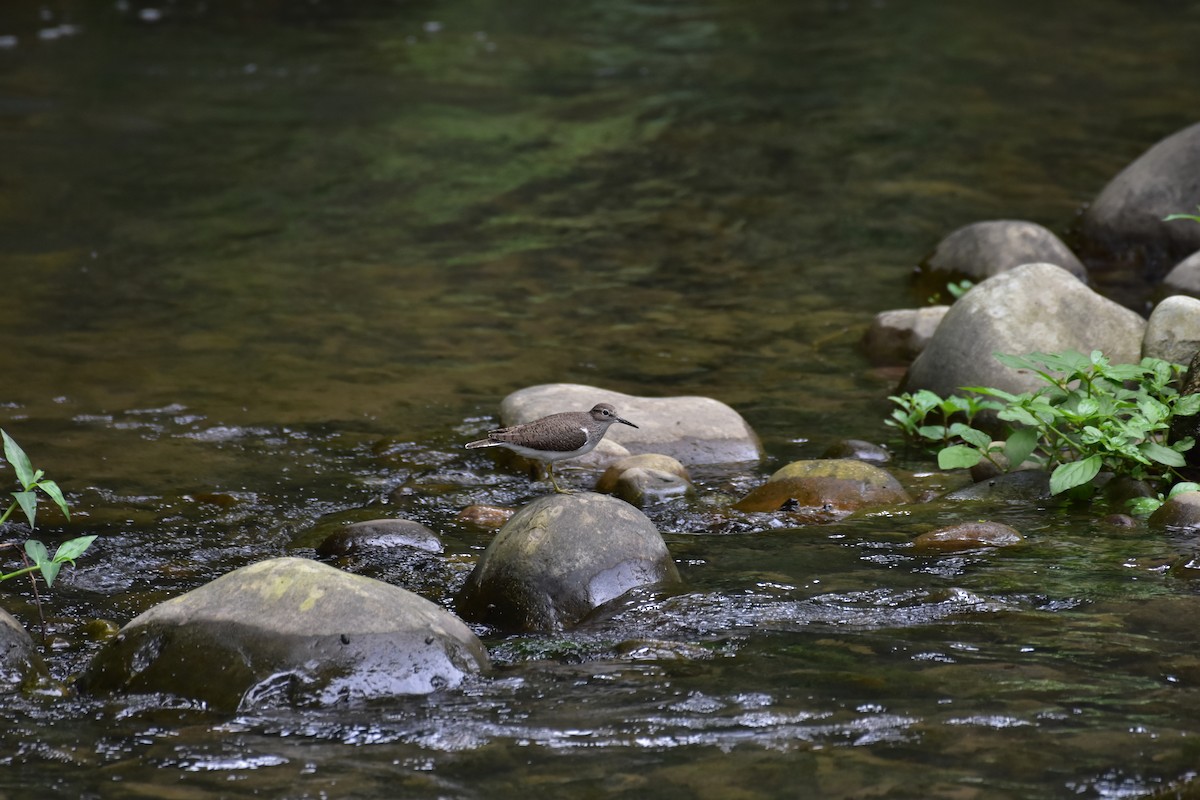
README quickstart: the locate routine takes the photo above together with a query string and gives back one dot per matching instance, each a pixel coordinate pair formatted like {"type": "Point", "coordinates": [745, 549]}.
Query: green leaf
{"type": "Point", "coordinates": [28, 503]}
{"type": "Point", "coordinates": [14, 455]}
{"type": "Point", "coordinates": [73, 548]}
{"type": "Point", "coordinates": [1183, 486]}
{"type": "Point", "coordinates": [37, 552]}
{"type": "Point", "coordinates": [958, 457]}
{"type": "Point", "coordinates": [971, 436]}
{"type": "Point", "coordinates": [54, 493]}
{"type": "Point", "coordinates": [1020, 445]}
{"type": "Point", "coordinates": [934, 433]}
{"type": "Point", "coordinates": [1162, 454]}
{"type": "Point", "coordinates": [1074, 473]}
{"type": "Point", "coordinates": [1186, 405]}
{"type": "Point", "coordinates": [1143, 506]}
{"type": "Point", "coordinates": [50, 571]}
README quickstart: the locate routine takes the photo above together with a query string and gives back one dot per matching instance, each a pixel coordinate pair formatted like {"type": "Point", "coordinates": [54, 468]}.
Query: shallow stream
{"type": "Point", "coordinates": [270, 263]}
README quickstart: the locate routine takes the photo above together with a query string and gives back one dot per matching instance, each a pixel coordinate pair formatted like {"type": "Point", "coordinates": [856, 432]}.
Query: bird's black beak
{"type": "Point", "coordinates": [627, 422]}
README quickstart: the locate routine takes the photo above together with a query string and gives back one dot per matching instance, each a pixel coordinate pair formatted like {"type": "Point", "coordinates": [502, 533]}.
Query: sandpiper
{"type": "Point", "coordinates": [556, 437]}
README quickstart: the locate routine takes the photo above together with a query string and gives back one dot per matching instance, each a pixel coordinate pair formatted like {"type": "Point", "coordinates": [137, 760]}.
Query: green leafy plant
{"type": "Point", "coordinates": [1090, 415]}
{"type": "Point", "coordinates": [33, 481]}
{"type": "Point", "coordinates": [954, 289]}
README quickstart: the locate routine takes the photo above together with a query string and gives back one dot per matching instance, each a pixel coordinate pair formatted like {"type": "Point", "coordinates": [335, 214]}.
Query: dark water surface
{"type": "Point", "coordinates": [264, 262]}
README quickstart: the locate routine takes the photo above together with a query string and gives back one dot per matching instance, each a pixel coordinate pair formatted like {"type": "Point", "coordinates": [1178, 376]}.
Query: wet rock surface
{"type": "Point", "coordinates": [833, 487]}
{"type": "Point", "coordinates": [969, 536]}
{"type": "Point", "coordinates": [380, 534]}
{"type": "Point", "coordinates": [559, 558]}
{"type": "Point", "coordinates": [19, 659]}
{"type": "Point", "coordinates": [983, 249]}
{"type": "Point", "coordinates": [289, 631]}
{"type": "Point", "coordinates": [694, 430]}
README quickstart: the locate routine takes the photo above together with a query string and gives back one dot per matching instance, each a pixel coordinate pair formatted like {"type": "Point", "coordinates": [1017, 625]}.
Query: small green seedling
{"type": "Point", "coordinates": [32, 481]}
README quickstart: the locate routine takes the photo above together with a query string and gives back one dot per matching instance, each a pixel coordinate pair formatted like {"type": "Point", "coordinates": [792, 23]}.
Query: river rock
{"type": "Point", "coordinates": [694, 430]}
{"type": "Point", "coordinates": [289, 631]}
{"type": "Point", "coordinates": [969, 536]}
{"type": "Point", "coordinates": [559, 558]}
{"type": "Point", "coordinates": [1032, 308]}
{"type": "Point", "coordinates": [858, 450]}
{"type": "Point", "coordinates": [646, 479]}
{"type": "Point", "coordinates": [485, 516]}
{"type": "Point", "coordinates": [833, 487]}
{"type": "Point", "coordinates": [1180, 511]}
{"type": "Point", "coordinates": [1022, 486]}
{"type": "Point", "coordinates": [1125, 223]}
{"type": "Point", "coordinates": [898, 336]}
{"type": "Point", "coordinates": [1184, 277]}
{"type": "Point", "coordinates": [19, 659]}
{"type": "Point", "coordinates": [379, 534]}
{"type": "Point", "coordinates": [983, 249]}
{"type": "Point", "coordinates": [1173, 330]}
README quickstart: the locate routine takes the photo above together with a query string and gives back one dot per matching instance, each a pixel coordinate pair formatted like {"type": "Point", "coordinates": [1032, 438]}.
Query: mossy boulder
{"type": "Point", "coordinates": [559, 558]}
{"type": "Point", "coordinates": [836, 487]}
{"type": "Point", "coordinates": [289, 631]}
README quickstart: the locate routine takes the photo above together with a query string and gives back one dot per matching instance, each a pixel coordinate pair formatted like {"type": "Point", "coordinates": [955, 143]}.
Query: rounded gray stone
{"type": "Point", "coordinates": [559, 558]}
{"type": "Point", "coordinates": [1033, 308]}
{"type": "Point", "coordinates": [983, 249]}
{"type": "Point", "coordinates": [1173, 330]}
{"type": "Point", "coordinates": [899, 335]}
{"type": "Point", "coordinates": [289, 631]}
{"type": "Point", "coordinates": [19, 659]}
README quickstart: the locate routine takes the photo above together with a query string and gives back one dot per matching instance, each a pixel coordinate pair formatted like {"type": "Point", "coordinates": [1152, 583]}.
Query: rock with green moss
{"type": "Point", "coordinates": [832, 487]}
{"type": "Point", "coordinates": [289, 631]}
{"type": "Point", "coordinates": [559, 558]}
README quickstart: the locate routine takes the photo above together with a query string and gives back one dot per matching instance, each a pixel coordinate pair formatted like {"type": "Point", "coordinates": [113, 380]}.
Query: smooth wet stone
{"type": "Point", "coordinates": [646, 479]}
{"type": "Point", "coordinates": [834, 486]}
{"type": "Point", "coordinates": [858, 450]}
{"type": "Point", "coordinates": [1173, 330]}
{"type": "Point", "coordinates": [559, 558]}
{"type": "Point", "coordinates": [379, 534]}
{"type": "Point", "coordinates": [694, 430]}
{"type": "Point", "coordinates": [19, 659]}
{"type": "Point", "coordinates": [1180, 511]}
{"type": "Point", "coordinates": [1022, 486]}
{"type": "Point", "coordinates": [484, 516]}
{"type": "Point", "coordinates": [969, 536]}
{"type": "Point", "coordinates": [288, 631]}
{"type": "Point", "coordinates": [899, 335]}
{"type": "Point", "coordinates": [1032, 308]}
{"type": "Point", "coordinates": [983, 249]}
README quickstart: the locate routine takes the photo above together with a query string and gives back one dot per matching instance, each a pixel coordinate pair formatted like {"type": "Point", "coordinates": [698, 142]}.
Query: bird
{"type": "Point", "coordinates": [557, 437]}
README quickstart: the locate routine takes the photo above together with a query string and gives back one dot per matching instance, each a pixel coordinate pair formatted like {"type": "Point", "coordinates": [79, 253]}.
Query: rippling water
{"type": "Point", "coordinates": [265, 263]}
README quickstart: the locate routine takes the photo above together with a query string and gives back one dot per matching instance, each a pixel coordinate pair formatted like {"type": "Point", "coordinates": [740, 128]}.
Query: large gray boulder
{"type": "Point", "coordinates": [559, 558]}
{"type": "Point", "coordinates": [695, 430]}
{"type": "Point", "coordinates": [289, 631]}
{"type": "Point", "coordinates": [1124, 224]}
{"type": "Point", "coordinates": [19, 660]}
{"type": "Point", "coordinates": [983, 249]}
{"type": "Point", "coordinates": [1173, 330]}
{"type": "Point", "coordinates": [1033, 308]}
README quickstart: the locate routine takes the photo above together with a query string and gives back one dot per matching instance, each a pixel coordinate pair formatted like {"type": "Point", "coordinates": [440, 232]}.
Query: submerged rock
{"type": "Point", "coordinates": [1125, 223]}
{"type": "Point", "coordinates": [694, 430]}
{"type": "Point", "coordinates": [377, 534]}
{"type": "Point", "coordinates": [289, 631]}
{"type": "Point", "coordinates": [485, 516]}
{"type": "Point", "coordinates": [899, 335]}
{"type": "Point", "coordinates": [969, 536]}
{"type": "Point", "coordinates": [559, 558]}
{"type": "Point", "coordinates": [983, 249]}
{"type": "Point", "coordinates": [646, 479]}
{"type": "Point", "coordinates": [1033, 308]}
{"type": "Point", "coordinates": [1010, 487]}
{"type": "Point", "coordinates": [19, 659]}
{"type": "Point", "coordinates": [858, 450]}
{"type": "Point", "coordinates": [833, 487]}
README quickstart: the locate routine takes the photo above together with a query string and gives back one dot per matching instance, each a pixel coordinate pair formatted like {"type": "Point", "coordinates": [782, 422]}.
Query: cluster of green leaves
{"type": "Point", "coordinates": [1091, 415]}
{"type": "Point", "coordinates": [33, 481]}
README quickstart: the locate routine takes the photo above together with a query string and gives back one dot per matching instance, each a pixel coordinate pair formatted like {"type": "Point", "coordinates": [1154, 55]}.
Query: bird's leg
{"type": "Point", "coordinates": [554, 483]}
